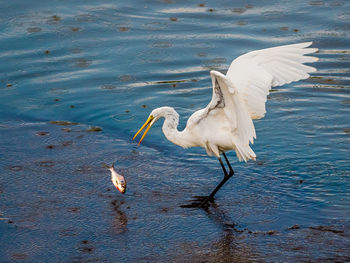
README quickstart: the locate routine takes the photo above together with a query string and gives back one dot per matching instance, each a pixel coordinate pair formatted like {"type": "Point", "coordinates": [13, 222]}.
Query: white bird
{"type": "Point", "coordinates": [239, 97]}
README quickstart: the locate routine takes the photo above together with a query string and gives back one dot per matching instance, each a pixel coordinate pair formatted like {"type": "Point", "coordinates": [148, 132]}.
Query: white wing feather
{"type": "Point", "coordinates": [242, 93]}
{"type": "Point", "coordinates": [255, 73]}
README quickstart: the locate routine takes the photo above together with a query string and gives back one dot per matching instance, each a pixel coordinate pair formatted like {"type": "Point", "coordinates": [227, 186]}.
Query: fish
{"type": "Point", "coordinates": [117, 179]}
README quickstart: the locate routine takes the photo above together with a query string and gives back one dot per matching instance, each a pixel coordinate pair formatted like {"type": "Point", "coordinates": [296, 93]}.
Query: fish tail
{"type": "Point", "coordinates": [107, 166]}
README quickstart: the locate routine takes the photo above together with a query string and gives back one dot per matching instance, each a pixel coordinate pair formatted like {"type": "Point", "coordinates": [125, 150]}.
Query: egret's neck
{"type": "Point", "coordinates": [171, 122]}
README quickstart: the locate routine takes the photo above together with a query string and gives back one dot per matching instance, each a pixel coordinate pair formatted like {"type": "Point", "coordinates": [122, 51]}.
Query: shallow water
{"type": "Point", "coordinates": [79, 78]}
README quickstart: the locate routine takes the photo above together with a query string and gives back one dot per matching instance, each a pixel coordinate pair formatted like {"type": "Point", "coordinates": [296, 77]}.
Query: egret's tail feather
{"type": "Point", "coordinates": [245, 153]}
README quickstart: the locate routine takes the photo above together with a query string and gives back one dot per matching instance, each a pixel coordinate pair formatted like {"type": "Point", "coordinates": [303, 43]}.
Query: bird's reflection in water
{"type": "Point", "coordinates": [229, 247]}
{"type": "Point", "coordinates": [197, 202]}
{"type": "Point", "coordinates": [121, 220]}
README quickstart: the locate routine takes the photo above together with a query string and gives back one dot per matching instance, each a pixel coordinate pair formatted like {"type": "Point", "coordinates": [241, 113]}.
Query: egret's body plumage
{"type": "Point", "coordinates": [239, 97]}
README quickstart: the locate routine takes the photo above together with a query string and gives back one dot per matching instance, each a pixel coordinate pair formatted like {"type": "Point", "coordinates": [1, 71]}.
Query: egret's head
{"type": "Point", "coordinates": [155, 115]}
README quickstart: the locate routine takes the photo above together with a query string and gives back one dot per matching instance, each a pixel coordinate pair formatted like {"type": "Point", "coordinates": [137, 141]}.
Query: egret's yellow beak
{"type": "Point", "coordinates": [149, 123]}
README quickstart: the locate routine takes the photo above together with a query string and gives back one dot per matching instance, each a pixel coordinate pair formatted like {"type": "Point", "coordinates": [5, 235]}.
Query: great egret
{"type": "Point", "coordinates": [238, 98]}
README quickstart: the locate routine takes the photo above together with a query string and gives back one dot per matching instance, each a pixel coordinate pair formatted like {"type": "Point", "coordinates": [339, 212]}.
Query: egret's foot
{"type": "Point", "coordinates": [199, 202]}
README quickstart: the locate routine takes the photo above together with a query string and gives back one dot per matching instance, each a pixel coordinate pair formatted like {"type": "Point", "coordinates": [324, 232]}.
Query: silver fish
{"type": "Point", "coordinates": [117, 179]}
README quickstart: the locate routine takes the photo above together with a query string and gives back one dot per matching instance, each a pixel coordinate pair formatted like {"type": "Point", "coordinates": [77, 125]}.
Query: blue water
{"type": "Point", "coordinates": [107, 64]}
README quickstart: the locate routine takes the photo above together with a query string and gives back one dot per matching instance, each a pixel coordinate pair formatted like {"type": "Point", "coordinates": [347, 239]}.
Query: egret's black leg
{"type": "Point", "coordinates": [222, 166]}
{"type": "Point", "coordinates": [226, 177]}
{"type": "Point", "coordinates": [229, 165]}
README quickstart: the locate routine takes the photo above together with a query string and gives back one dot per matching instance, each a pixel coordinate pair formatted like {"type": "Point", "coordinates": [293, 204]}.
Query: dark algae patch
{"type": "Point", "coordinates": [51, 146]}
{"type": "Point", "coordinates": [42, 133]}
{"type": "Point", "coordinates": [19, 256]}
{"type": "Point", "coordinates": [316, 3]}
{"type": "Point", "coordinates": [123, 29]}
{"type": "Point", "coordinates": [94, 129]}
{"type": "Point", "coordinates": [46, 163]}
{"type": "Point", "coordinates": [174, 81]}
{"type": "Point", "coordinates": [126, 78]}
{"type": "Point", "coordinates": [33, 29]}
{"type": "Point", "coordinates": [238, 10]}
{"type": "Point", "coordinates": [55, 19]}
{"type": "Point", "coordinates": [64, 123]}
{"type": "Point", "coordinates": [74, 209]}
{"type": "Point", "coordinates": [108, 87]}
{"type": "Point", "coordinates": [83, 63]}
{"type": "Point", "coordinates": [67, 143]}
{"type": "Point", "coordinates": [327, 229]}
{"type": "Point", "coordinates": [16, 168]}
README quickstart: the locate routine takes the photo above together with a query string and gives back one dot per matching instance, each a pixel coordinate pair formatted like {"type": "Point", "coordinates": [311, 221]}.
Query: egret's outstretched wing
{"type": "Point", "coordinates": [227, 103]}
{"type": "Point", "coordinates": [240, 96]}
{"type": "Point", "coordinates": [255, 73]}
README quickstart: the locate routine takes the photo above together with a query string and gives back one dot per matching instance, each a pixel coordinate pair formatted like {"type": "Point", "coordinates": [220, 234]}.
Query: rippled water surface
{"type": "Point", "coordinates": [77, 80]}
